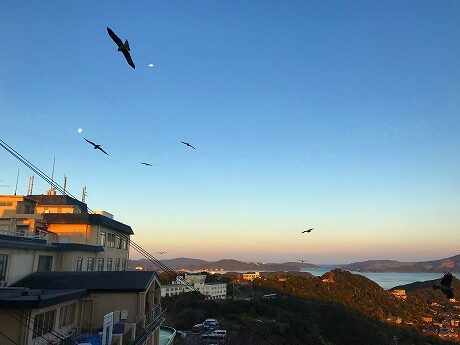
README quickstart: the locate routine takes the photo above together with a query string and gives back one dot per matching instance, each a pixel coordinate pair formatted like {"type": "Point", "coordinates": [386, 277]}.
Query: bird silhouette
{"type": "Point", "coordinates": [445, 286]}
{"type": "Point", "coordinates": [309, 230]}
{"type": "Point", "coordinates": [187, 144]}
{"type": "Point", "coordinates": [161, 253]}
{"type": "Point", "coordinates": [146, 164]}
{"type": "Point", "coordinates": [122, 47]}
{"type": "Point", "coordinates": [303, 261]}
{"type": "Point", "coordinates": [96, 146]}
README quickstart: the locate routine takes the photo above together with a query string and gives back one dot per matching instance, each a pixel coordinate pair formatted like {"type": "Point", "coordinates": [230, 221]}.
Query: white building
{"type": "Point", "coordinates": [195, 282]}
{"type": "Point", "coordinates": [251, 276]}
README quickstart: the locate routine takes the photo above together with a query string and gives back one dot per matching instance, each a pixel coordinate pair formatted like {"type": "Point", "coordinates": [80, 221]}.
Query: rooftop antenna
{"type": "Point", "coordinates": [31, 185]}
{"type": "Point", "coordinates": [16, 188]}
{"type": "Point", "coordinates": [84, 195]}
{"type": "Point", "coordinates": [65, 183]}
{"type": "Point", "coordinates": [52, 174]}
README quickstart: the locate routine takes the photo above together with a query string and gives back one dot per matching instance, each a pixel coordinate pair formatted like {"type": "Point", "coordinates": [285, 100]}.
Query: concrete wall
{"type": "Point", "coordinates": [12, 328]}
{"type": "Point", "coordinates": [24, 262]}
{"type": "Point", "coordinates": [106, 302]}
{"type": "Point", "coordinates": [74, 233]}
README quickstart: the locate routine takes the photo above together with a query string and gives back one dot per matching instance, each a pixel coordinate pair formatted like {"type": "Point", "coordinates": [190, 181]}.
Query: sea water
{"type": "Point", "coordinates": [387, 280]}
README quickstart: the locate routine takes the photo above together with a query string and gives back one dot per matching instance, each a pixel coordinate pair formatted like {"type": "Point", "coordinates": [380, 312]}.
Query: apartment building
{"type": "Point", "coordinates": [195, 282]}
{"type": "Point", "coordinates": [58, 233]}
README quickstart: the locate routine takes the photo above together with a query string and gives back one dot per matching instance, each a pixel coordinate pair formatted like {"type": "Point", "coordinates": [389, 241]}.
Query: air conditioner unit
{"type": "Point", "coordinates": [124, 315]}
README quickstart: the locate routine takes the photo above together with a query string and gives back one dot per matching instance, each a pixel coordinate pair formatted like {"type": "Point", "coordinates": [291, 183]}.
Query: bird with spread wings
{"type": "Point", "coordinates": [96, 146]}
{"type": "Point", "coordinates": [187, 144]}
{"type": "Point", "coordinates": [122, 47]}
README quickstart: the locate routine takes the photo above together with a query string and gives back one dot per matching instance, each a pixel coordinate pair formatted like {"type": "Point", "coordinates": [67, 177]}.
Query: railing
{"type": "Point", "coordinates": [151, 315]}
{"type": "Point", "coordinates": [38, 235]}
{"type": "Point", "coordinates": [153, 319]}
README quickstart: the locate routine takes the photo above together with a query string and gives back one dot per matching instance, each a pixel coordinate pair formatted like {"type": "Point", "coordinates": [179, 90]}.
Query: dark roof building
{"type": "Point", "coordinates": [17, 242]}
{"type": "Point", "coordinates": [24, 298]}
{"type": "Point", "coordinates": [90, 219]}
{"type": "Point", "coordinates": [57, 200]}
{"type": "Point", "coordinates": [120, 281]}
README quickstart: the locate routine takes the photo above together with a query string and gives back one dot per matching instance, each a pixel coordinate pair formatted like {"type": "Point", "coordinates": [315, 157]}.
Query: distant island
{"type": "Point", "coordinates": [451, 264]}
{"type": "Point", "coordinates": [189, 264]}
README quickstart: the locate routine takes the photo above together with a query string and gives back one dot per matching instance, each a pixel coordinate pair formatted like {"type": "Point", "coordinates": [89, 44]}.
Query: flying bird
{"type": "Point", "coordinates": [161, 253]}
{"type": "Point", "coordinates": [303, 261]}
{"type": "Point", "coordinates": [187, 144]}
{"type": "Point", "coordinates": [309, 230]}
{"type": "Point", "coordinates": [96, 146]}
{"type": "Point", "coordinates": [445, 286]}
{"type": "Point", "coordinates": [122, 47]}
{"type": "Point", "coordinates": [146, 164]}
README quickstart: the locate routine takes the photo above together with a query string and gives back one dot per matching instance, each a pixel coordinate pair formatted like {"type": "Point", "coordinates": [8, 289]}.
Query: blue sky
{"type": "Point", "coordinates": [335, 115]}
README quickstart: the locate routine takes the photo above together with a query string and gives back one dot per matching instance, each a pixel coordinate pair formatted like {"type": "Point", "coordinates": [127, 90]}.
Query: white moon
{"type": "Point", "coordinates": [79, 130]}
{"type": "Point", "coordinates": [151, 65]}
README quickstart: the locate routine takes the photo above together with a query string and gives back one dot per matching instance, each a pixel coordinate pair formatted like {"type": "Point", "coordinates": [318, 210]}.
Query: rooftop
{"type": "Point", "coordinates": [39, 244]}
{"type": "Point", "coordinates": [58, 200]}
{"type": "Point", "coordinates": [126, 281]}
{"type": "Point", "coordinates": [85, 218]}
{"type": "Point", "coordinates": [23, 298]}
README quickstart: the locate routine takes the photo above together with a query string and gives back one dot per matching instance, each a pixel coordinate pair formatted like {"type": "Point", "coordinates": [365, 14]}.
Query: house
{"type": "Point", "coordinates": [399, 293]}
{"type": "Point", "coordinates": [427, 319]}
{"type": "Point", "coordinates": [251, 276]}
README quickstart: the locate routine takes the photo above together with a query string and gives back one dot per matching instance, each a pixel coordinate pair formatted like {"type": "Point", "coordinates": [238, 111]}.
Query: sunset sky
{"type": "Point", "coordinates": [337, 115]}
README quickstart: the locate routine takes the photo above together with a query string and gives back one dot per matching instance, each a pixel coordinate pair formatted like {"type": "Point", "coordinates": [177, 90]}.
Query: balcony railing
{"type": "Point", "coordinates": [153, 320]}
{"type": "Point", "coordinates": [38, 234]}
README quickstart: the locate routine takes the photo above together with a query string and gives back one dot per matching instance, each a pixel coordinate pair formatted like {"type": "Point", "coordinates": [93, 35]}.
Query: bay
{"type": "Point", "coordinates": [386, 280]}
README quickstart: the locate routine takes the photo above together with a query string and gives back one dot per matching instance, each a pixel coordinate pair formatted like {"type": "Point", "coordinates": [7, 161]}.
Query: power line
{"type": "Point", "coordinates": [32, 320]}
{"type": "Point", "coordinates": [7, 337]}
{"type": "Point", "coordinates": [133, 244]}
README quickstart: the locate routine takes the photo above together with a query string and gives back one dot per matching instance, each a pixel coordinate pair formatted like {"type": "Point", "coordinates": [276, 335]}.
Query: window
{"type": "Point", "coordinates": [117, 264]}
{"type": "Point", "coordinates": [102, 238]}
{"type": "Point", "coordinates": [90, 264]}
{"type": "Point", "coordinates": [45, 262]}
{"type": "Point", "coordinates": [100, 264]}
{"type": "Point", "coordinates": [125, 243]}
{"type": "Point", "coordinates": [123, 265]}
{"type": "Point", "coordinates": [43, 323]}
{"type": "Point", "coordinates": [6, 203]}
{"type": "Point", "coordinates": [3, 266]}
{"type": "Point", "coordinates": [111, 240]}
{"type": "Point", "coordinates": [118, 242]}
{"type": "Point", "coordinates": [67, 315]}
{"type": "Point", "coordinates": [109, 264]}
{"type": "Point", "coordinates": [79, 264]}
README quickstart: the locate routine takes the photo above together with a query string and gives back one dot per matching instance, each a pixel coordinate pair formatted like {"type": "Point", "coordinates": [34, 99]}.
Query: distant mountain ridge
{"type": "Point", "coordinates": [451, 264]}
{"type": "Point", "coordinates": [189, 264]}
